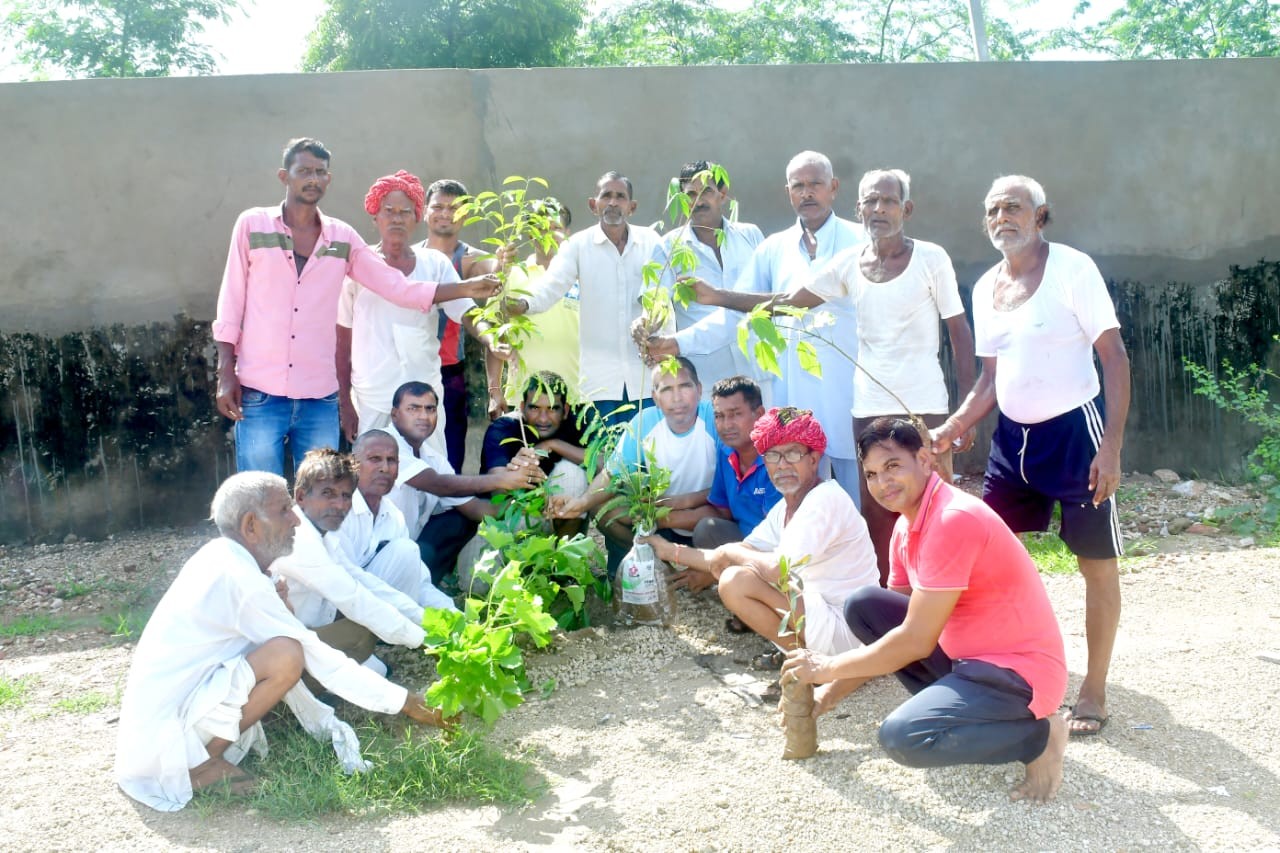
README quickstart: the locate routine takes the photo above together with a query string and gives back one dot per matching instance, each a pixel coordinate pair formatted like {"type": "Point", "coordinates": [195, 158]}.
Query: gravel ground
{"type": "Point", "coordinates": [655, 738]}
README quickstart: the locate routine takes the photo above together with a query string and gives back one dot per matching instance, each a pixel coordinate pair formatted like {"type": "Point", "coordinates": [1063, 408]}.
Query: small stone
{"type": "Point", "coordinates": [1190, 488]}
{"type": "Point", "coordinates": [70, 539]}
{"type": "Point", "coordinates": [1179, 525]}
{"type": "Point", "coordinates": [1246, 542]}
{"type": "Point", "coordinates": [1203, 529]}
{"type": "Point", "coordinates": [1165, 475]}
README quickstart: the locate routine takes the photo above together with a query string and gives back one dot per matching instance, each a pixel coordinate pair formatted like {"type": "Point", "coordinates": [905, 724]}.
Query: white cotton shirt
{"type": "Point", "coordinates": [391, 345]}
{"type": "Point", "coordinates": [417, 505]}
{"type": "Point", "coordinates": [608, 301]}
{"type": "Point", "coordinates": [781, 264]}
{"type": "Point", "coordinates": [362, 530]}
{"type": "Point", "coordinates": [322, 583]}
{"type": "Point", "coordinates": [690, 456]}
{"type": "Point", "coordinates": [898, 334]}
{"type": "Point", "coordinates": [219, 607]}
{"type": "Point", "coordinates": [740, 242]}
{"type": "Point", "coordinates": [1044, 347]}
{"type": "Point", "coordinates": [827, 529]}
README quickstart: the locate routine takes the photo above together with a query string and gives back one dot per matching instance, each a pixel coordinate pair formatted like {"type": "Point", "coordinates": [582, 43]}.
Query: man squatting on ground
{"type": "Point", "coordinates": [966, 625]}
{"type": "Point", "coordinates": [679, 435]}
{"type": "Point", "coordinates": [277, 311]}
{"type": "Point", "coordinates": [221, 649]}
{"type": "Point", "coordinates": [1039, 316]}
{"type": "Point", "coordinates": [815, 519]}
{"type": "Point", "coordinates": [346, 606]}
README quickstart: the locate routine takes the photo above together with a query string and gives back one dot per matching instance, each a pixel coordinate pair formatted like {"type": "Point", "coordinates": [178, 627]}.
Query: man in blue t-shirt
{"type": "Point", "coordinates": [741, 491]}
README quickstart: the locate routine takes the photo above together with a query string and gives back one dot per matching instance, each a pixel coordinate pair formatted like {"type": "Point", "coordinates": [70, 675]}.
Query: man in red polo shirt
{"type": "Point", "coordinates": [965, 624]}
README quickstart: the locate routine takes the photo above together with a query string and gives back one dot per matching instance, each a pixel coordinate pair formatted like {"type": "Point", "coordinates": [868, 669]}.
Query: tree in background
{"type": "Point", "coordinates": [113, 38]}
{"type": "Point", "coordinates": [365, 34]}
{"type": "Point", "coordinates": [700, 32]}
{"type": "Point", "coordinates": [1179, 29]}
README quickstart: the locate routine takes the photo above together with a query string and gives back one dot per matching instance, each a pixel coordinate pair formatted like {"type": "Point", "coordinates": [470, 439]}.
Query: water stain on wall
{"type": "Point", "coordinates": [114, 428]}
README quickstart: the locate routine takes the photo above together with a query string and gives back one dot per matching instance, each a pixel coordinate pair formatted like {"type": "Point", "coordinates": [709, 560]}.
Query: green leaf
{"type": "Point", "coordinates": [808, 357]}
{"type": "Point", "coordinates": [766, 359]}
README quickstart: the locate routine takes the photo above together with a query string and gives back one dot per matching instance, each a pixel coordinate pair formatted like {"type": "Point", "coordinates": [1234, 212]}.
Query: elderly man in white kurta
{"type": "Point", "coordinates": [374, 535]}
{"type": "Point", "coordinates": [221, 649]}
{"type": "Point", "coordinates": [783, 262]}
{"type": "Point", "coordinates": [900, 288]}
{"type": "Point", "coordinates": [606, 260]}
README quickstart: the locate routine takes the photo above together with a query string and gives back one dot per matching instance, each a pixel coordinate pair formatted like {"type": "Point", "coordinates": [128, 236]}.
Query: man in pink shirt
{"type": "Point", "coordinates": [965, 624]}
{"type": "Point", "coordinates": [278, 308]}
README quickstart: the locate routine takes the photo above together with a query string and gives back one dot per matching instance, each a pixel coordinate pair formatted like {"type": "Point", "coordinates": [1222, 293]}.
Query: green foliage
{"type": "Point", "coordinates": [558, 571]}
{"type": "Point", "coordinates": [1245, 393]}
{"type": "Point", "coordinates": [32, 626]}
{"type": "Point", "coordinates": [1051, 555]}
{"type": "Point", "coordinates": [72, 588]}
{"type": "Point", "coordinates": [792, 586]}
{"type": "Point", "coordinates": [13, 691]}
{"type": "Point", "coordinates": [85, 703]}
{"type": "Point", "coordinates": [364, 34]}
{"type": "Point", "coordinates": [114, 38]}
{"type": "Point", "coordinates": [638, 489]}
{"type": "Point", "coordinates": [480, 666]}
{"type": "Point", "coordinates": [519, 219]}
{"type": "Point", "coordinates": [300, 779]}
{"type": "Point", "coordinates": [1178, 29]}
{"type": "Point", "coordinates": [699, 32]}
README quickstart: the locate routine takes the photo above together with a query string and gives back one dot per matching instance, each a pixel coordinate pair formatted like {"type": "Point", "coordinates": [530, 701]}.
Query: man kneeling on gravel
{"type": "Point", "coordinates": [965, 624]}
{"type": "Point", "coordinates": [222, 649]}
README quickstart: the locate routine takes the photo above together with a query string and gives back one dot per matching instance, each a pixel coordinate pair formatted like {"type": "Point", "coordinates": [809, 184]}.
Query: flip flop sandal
{"type": "Point", "coordinates": [734, 625]}
{"type": "Point", "coordinates": [1087, 718]}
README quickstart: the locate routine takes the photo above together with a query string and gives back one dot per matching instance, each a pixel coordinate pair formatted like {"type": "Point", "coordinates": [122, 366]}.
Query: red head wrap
{"type": "Point", "coordinates": [403, 181]}
{"type": "Point", "coordinates": [784, 426]}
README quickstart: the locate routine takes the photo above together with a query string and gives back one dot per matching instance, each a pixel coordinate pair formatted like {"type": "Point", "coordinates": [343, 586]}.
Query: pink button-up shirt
{"type": "Point", "coordinates": [283, 324]}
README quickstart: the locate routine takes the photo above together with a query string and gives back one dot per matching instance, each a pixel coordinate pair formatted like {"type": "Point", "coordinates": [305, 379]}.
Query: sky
{"type": "Point", "coordinates": [269, 36]}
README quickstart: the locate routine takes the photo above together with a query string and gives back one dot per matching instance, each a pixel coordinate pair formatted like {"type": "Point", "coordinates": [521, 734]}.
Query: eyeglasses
{"type": "Point", "coordinates": [794, 455]}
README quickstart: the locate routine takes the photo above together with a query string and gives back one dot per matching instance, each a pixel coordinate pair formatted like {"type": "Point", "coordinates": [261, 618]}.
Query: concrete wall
{"type": "Point", "coordinates": [119, 196]}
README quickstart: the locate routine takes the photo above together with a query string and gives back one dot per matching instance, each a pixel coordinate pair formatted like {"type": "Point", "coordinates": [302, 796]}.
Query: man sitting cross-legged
{"type": "Point", "coordinates": [965, 624]}
{"type": "Point", "coordinates": [329, 594]}
{"type": "Point", "coordinates": [221, 649]}
{"type": "Point", "coordinates": [440, 506]}
{"type": "Point", "coordinates": [545, 425]}
{"type": "Point", "coordinates": [679, 435]}
{"type": "Point", "coordinates": [374, 535]}
{"type": "Point", "coordinates": [815, 527]}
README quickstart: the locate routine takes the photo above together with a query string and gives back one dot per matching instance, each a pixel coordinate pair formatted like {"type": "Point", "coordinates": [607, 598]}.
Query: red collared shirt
{"type": "Point", "coordinates": [282, 323]}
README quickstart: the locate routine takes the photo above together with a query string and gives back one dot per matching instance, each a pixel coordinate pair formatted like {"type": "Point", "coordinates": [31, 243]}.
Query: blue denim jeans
{"type": "Point", "coordinates": [962, 711]}
{"type": "Point", "coordinates": [269, 419]}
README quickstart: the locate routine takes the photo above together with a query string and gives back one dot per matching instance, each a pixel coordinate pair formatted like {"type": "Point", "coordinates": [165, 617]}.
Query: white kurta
{"type": "Point", "coordinates": [417, 506]}
{"type": "Point", "coordinates": [828, 530]}
{"type": "Point", "coordinates": [322, 583]}
{"type": "Point", "coordinates": [220, 607]}
{"type": "Point", "coordinates": [609, 286]}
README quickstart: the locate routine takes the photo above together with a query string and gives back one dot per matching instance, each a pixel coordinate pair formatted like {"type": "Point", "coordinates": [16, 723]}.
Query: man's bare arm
{"type": "Point", "coordinates": [227, 397]}
{"type": "Point", "coordinates": [961, 337]}
{"type": "Point", "coordinates": [1104, 471]}
{"type": "Point", "coordinates": [348, 421]}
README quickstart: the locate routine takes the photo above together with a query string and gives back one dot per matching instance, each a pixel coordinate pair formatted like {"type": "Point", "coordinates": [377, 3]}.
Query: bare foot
{"type": "Point", "coordinates": [1087, 717]}
{"type": "Point", "coordinates": [219, 771]}
{"type": "Point", "coordinates": [827, 696]}
{"type": "Point", "coordinates": [1044, 775]}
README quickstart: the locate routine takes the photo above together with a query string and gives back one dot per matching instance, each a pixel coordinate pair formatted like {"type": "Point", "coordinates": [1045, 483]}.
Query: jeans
{"type": "Point", "coordinates": [456, 403]}
{"type": "Point", "coordinates": [269, 419]}
{"type": "Point", "coordinates": [962, 712]}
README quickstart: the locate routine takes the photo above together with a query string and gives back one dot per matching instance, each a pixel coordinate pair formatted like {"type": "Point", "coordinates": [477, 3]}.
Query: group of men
{"type": "Point", "coordinates": [319, 334]}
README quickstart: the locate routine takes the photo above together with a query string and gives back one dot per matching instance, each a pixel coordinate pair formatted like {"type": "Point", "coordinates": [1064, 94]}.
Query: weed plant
{"type": "Point", "coordinates": [13, 691]}
{"type": "Point", "coordinates": [85, 703]}
{"type": "Point", "coordinates": [414, 771]}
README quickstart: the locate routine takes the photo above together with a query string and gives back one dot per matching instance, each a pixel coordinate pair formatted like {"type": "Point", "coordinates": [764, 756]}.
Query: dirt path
{"type": "Point", "coordinates": [651, 742]}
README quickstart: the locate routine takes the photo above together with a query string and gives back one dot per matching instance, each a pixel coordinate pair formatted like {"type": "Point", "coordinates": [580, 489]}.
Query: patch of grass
{"type": "Point", "coordinates": [1051, 556]}
{"type": "Point", "coordinates": [85, 703]}
{"type": "Point", "coordinates": [13, 691]}
{"type": "Point", "coordinates": [300, 778]}
{"type": "Point", "coordinates": [32, 626]}
{"type": "Point", "coordinates": [126, 624]}
{"type": "Point", "coordinates": [71, 588]}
